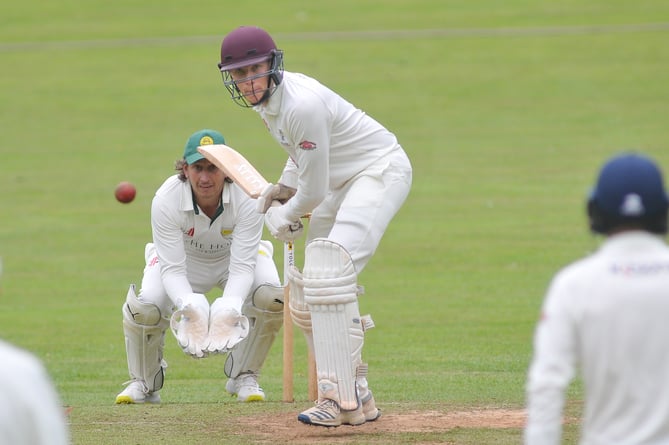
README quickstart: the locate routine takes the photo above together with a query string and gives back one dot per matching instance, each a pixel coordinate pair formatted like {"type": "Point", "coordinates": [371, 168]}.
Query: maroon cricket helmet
{"type": "Point", "coordinates": [246, 45]}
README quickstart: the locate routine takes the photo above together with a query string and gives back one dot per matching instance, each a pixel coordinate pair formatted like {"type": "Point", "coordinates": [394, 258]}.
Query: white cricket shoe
{"type": "Point", "coordinates": [245, 387]}
{"type": "Point", "coordinates": [327, 413]}
{"type": "Point", "coordinates": [369, 408]}
{"type": "Point", "coordinates": [137, 392]}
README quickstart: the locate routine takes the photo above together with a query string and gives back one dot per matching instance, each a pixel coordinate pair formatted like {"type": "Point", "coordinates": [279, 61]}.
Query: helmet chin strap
{"type": "Point", "coordinates": [240, 99]}
{"type": "Point", "coordinates": [266, 95]}
{"type": "Point", "coordinates": [263, 99]}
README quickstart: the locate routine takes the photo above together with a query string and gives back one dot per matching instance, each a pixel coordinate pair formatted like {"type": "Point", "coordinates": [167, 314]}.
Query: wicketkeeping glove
{"type": "Point", "coordinates": [190, 324]}
{"type": "Point", "coordinates": [227, 327]}
{"type": "Point", "coordinates": [274, 192]}
{"type": "Point", "coordinates": [280, 227]}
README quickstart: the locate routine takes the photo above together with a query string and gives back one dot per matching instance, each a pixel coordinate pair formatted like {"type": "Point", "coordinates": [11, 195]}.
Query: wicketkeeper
{"type": "Point", "coordinates": [352, 175]}
{"type": "Point", "coordinates": [206, 234]}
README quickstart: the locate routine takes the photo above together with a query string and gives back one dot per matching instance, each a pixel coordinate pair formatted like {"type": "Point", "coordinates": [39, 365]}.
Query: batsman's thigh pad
{"type": "Point", "coordinates": [330, 291]}
{"type": "Point", "coordinates": [264, 310]}
{"type": "Point", "coordinates": [144, 330]}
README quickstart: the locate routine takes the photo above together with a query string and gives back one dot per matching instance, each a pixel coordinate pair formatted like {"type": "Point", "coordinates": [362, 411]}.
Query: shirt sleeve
{"type": "Point", "coordinates": [289, 174]}
{"type": "Point", "coordinates": [244, 249]}
{"type": "Point", "coordinates": [310, 128]}
{"type": "Point", "coordinates": [552, 368]}
{"type": "Point", "coordinates": [168, 240]}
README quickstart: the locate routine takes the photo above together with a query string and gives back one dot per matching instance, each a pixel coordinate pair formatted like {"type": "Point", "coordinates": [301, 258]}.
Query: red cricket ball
{"type": "Point", "coordinates": [125, 192]}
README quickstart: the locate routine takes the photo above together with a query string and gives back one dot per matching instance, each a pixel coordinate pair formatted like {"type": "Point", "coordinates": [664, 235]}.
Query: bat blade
{"type": "Point", "coordinates": [236, 167]}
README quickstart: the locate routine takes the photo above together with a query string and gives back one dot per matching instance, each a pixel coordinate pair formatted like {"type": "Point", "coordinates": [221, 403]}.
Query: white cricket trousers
{"type": "Point", "coordinates": [202, 278]}
{"type": "Point", "coordinates": [357, 215]}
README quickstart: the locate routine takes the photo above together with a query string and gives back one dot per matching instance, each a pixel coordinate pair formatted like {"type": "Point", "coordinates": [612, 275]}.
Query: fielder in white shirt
{"type": "Point", "coordinates": [607, 317]}
{"type": "Point", "coordinates": [352, 175]}
{"type": "Point", "coordinates": [31, 412]}
{"type": "Point", "coordinates": [206, 234]}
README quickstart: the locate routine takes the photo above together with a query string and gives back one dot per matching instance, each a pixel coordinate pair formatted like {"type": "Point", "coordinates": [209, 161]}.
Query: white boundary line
{"type": "Point", "coordinates": [408, 34]}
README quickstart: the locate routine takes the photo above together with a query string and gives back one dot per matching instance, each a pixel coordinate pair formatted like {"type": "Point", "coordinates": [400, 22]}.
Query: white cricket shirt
{"type": "Point", "coordinates": [326, 136]}
{"type": "Point", "coordinates": [187, 240]}
{"type": "Point", "coordinates": [606, 315]}
{"type": "Point", "coordinates": [31, 412]}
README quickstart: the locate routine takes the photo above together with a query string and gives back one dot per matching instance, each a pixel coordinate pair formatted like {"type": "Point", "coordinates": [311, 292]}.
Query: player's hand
{"type": "Point", "coordinates": [274, 192]}
{"type": "Point", "coordinates": [227, 327]}
{"type": "Point", "coordinates": [190, 324]}
{"type": "Point", "coordinates": [280, 227]}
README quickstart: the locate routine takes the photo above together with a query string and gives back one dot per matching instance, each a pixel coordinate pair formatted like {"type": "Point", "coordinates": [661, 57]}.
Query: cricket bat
{"type": "Point", "coordinates": [245, 175]}
{"type": "Point", "coordinates": [236, 167]}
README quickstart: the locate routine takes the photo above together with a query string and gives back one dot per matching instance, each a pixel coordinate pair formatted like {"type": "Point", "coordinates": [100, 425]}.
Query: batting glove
{"type": "Point", "coordinates": [272, 192]}
{"type": "Point", "coordinates": [280, 227]}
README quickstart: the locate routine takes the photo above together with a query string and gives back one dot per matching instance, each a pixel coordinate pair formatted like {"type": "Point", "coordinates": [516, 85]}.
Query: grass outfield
{"type": "Point", "coordinates": [507, 110]}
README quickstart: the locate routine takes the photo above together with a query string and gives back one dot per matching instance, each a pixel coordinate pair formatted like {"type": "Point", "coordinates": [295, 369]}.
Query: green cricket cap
{"type": "Point", "coordinates": [202, 137]}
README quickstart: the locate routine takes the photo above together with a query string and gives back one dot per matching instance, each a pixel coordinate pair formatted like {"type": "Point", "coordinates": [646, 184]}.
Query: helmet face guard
{"type": "Point", "coordinates": [249, 46]}
{"type": "Point", "coordinates": [272, 77]}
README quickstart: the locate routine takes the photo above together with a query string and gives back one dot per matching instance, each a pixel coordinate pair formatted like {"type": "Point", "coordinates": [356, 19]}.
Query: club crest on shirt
{"type": "Point", "coordinates": [307, 145]}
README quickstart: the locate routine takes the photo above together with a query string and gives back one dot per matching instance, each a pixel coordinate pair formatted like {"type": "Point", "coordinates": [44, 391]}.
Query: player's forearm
{"type": "Point", "coordinates": [175, 283]}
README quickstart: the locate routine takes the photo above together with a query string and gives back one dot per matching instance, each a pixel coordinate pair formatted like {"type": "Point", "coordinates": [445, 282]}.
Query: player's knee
{"type": "Point", "coordinates": [140, 312]}
{"type": "Point", "coordinates": [267, 297]}
{"type": "Point", "coordinates": [329, 273]}
{"type": "Point", "coordinates": [266, 248]}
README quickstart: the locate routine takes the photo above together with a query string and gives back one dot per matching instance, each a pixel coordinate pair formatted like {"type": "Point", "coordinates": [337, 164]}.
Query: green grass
{"type": "Point", "coordinates": [507, 110]}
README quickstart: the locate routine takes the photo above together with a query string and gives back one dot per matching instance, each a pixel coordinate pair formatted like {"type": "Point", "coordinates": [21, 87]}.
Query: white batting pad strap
{"type": "Point", "coordinates": [264, 310]}
{"type": "Point", "coordinates": [367, 322]}
{"type": "Point", "coordinates": [330, 291]}
{"type": "Point", "coordinates": [361, 372]}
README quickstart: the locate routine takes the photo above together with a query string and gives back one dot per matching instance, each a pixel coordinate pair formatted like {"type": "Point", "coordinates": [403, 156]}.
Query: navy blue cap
{"type": "Point", "coordinates": [630, 186]}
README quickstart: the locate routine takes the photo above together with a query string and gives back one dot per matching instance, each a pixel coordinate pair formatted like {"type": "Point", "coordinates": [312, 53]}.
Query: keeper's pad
{"type": "Point", "coordinates": [264, 310]}
{"type": "Point", "coordinates": [144, 330]}
{"type": "Point", "coordinates": [330, 292]}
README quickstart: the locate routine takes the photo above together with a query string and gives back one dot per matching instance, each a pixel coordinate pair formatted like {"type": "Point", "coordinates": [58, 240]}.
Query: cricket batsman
{"type": "Point", "coordinates": [352, 175]}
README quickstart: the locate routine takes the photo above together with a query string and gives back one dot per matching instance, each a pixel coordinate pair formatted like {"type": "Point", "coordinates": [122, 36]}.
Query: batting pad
{"type": "Point", "coordinates": [264, 310]}
{"type": "Point", "coordinates": [144, 331]}
{"type": "Point", "coordinates": [330, 292]}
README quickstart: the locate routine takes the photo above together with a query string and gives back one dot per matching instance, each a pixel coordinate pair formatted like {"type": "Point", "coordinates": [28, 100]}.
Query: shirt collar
{"type": "Point", "coordinates": [632, 240]}
{"type": "Point", "coordinates": [188, 199]}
